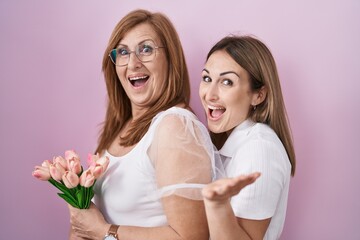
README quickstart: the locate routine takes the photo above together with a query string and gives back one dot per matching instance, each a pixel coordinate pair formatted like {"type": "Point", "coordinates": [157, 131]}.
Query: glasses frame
{"type": "Point", "coordinates": [136, 54]}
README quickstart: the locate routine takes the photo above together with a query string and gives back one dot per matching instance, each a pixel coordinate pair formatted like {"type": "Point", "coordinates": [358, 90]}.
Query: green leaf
{"type": "Point", "coordinates": [80, 198]}
{"type": "Point", "coordinates": [69, 199]}
{"type": "Point", "coordinates": [88, 196]}
{"type": "Point", "coordinates": [59, 185]}
{"type": "Point", "coordinates": [69, 193]}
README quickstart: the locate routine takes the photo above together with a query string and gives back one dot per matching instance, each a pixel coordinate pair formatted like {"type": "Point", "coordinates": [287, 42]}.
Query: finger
{"type": "Point", "coordinates": [242, 181]}
{"type": "Point", "coordinates": [246, 179]}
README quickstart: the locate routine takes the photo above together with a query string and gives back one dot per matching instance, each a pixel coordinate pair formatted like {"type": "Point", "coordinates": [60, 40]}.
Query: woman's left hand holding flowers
{"type": "Point", "coordinates": [87, 223]}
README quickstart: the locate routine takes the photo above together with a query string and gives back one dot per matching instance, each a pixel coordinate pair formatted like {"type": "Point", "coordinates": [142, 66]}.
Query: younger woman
{"type": "Point", "coordinates": [241, 94]}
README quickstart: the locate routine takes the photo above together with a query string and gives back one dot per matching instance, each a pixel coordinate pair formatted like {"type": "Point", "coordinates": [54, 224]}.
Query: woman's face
{"type": "Point", "coordinates": [143, 82]}
{"type": "Point", "coordinates": [225, 92]}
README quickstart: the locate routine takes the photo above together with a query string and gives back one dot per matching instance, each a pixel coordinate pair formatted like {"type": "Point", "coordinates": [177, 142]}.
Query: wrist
{"type": "Point", "coordinates": [216, 203]}
{"type": "Point", "coordinates": [112, 233]}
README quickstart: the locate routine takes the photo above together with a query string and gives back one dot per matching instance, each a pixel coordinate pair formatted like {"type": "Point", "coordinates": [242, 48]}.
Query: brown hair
{"type": "Point", "coordinates": [177, 89]}
{"type": "Point", "coordinates": [253, 55]}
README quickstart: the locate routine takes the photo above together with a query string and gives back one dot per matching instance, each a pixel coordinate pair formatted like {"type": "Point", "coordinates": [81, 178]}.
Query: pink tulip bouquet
{"type": "Point", "coordinates": [67, 175]}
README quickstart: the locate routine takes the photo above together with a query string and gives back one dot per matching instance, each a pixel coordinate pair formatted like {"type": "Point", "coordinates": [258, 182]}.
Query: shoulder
{"type": "Point", "coordinates": [175, 112]}
{"type": "Point", "coordinates": [175, 119]}
{"type": "Point", "coordinates": [262, 139]}
{"type": "Point", "coordinates": [250, 137]}
{"type": "Point", "coordinates": [261, 149]}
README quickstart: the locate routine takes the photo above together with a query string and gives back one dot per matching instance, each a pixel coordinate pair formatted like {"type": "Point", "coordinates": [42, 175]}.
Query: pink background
{"type": "Point", "coordinates": [52, 98]}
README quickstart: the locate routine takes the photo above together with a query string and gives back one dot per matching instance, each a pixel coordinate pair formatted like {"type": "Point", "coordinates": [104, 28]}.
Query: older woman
{"type": "Point", "coordinates": [160, 154]}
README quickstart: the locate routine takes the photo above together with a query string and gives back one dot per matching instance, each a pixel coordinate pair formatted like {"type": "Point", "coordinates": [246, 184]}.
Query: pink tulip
{"type": "Point", "coordinates": [98, 165]}
{"type": "Point", "coordinates": [73, 161]}
{"type": "Point", "coordinates": [60, 160]}
{"type": "Point", "coordinates": [70, 179]}
{"type": "Point", "coordinates": [91, 160]}
{"type": "Point", "coordinates": [87, 179]}
{"type": "Point", "coordinates": [46, 163]}
{"type": "Point", "coordinates": [56, 171]}
{"type": "Point", "coordinates": [41, 173]}
{"type": "Point", "coordinates": [70, 154]}
{"type": "Point", "coordinates": [74, 165]}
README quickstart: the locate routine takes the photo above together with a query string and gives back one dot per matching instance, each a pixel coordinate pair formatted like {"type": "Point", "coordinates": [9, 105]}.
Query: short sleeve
{"type": "Point", "coordinates": [259, 200]}
{"type": "Point", "coordinates": [183, 157]}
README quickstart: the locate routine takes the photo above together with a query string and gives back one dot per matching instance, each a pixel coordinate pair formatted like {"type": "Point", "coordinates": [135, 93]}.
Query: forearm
{"type": "Point", "coordinates": [187, 221]}
{"type": "Point", "coordinates": [223, 223]}
{"type": "Point", "coordinates": [148, 233]}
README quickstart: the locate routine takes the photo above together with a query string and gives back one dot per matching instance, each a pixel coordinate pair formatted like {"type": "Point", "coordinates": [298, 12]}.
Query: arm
{"type": "Point", "coordinates": [250, 212]}
{"type": "Point", "coordinates": [223, 224]}
{"type": "Point", "coordinates": [174, 164]}
{"type": "Point", "coordinates": [90, 224]}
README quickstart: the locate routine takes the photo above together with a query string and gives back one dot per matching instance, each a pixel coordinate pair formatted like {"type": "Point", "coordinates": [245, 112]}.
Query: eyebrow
{"type": "Point", "coordinates": [147, 39]}
{"type": "Point", "coordinates": [223, 73]}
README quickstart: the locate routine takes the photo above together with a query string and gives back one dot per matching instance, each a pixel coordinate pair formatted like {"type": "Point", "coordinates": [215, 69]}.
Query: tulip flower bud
{"type": "Point", "coordinates": [70, 179]}
{"type": "Point", "coordinates": [91, 159]}
{"type": "Point", "coordinates": [56, 171]}
{"type": "Point", "coordinates": [100, 166]}
{"type": "Point", "coordinates": [60, 160]}
{"type": "Point", "coordinates": [70, 154]}
{"type": "Point", "coordinates": [74, 165]}
{"type": "Point", "coordinates": [87, 179]}
{"type": "Point", "coordinates": [46, 163]}
{"type": "Point", "coordinates": [104, 162]}
{"type": "Point", "coordinates": [41, 173]}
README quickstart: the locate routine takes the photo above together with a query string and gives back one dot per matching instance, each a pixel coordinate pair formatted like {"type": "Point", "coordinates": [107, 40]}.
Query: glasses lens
{"type": "Point", "coordinates": [146, 51]}
{"type": "Point", "coordinates": [113, 56]}
{"type": "Point", "coordinates": [120, 56]}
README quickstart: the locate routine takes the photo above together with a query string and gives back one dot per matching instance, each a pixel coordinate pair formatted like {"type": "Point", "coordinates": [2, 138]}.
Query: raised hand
{"type": "Point", "coordinates": [222, 190]}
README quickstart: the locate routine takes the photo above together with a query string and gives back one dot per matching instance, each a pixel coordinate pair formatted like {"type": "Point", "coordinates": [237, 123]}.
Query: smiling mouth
{"type": "Point", "coordinates": [138, 81]}
{"type": "Point", "coordinates": [216, 112]}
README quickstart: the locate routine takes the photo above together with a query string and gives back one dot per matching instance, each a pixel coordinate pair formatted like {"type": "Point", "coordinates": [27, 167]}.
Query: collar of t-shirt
{"type": "Point", "coordinates": [236, 138]}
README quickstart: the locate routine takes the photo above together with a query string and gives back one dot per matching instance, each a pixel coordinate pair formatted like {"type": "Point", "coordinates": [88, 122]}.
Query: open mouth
{"type": "Point", "coordinates": [138, 81]}
{"type": "Point", "coordinates": [216, 112]}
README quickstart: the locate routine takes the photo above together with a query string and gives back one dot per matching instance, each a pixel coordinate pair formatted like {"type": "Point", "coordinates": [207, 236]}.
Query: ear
{"type": "Point", "coordinates": [259, 96]}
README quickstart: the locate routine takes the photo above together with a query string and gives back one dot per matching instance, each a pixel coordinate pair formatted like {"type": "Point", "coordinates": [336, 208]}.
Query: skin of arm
{"type": "Point", "coordinates": [186, 217]}
{"type": "Point", "coordinates": [223, 224]}
{"type": "Point", "coordinates": [90, 224]}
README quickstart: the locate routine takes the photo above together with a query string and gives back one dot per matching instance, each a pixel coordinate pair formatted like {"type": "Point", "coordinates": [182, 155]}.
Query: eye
{"type": "Point", "coordinates": [206, 79]}
{"type": "Point", "coordinates": [227, 82]}
{"type": "Point", "coordinates": [123, 51]}
{"type": "Point", "coordinates": [146, 49]}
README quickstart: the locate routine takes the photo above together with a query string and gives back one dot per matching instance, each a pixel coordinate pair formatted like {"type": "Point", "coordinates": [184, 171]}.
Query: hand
{"type": "Point", "coordinates": [87, 223]}
{"type": "Point", "coordinates": [222, 190]}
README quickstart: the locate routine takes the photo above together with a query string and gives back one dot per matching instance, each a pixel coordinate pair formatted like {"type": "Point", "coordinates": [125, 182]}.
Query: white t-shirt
{"type": "Point", "coordinates": [255, 147]}
{"type": "Point", "coordinates": [129, 194]}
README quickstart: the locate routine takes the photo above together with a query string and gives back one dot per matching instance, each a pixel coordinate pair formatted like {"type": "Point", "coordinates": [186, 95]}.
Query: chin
{"type": "Point", "coordinates": [215, 129]}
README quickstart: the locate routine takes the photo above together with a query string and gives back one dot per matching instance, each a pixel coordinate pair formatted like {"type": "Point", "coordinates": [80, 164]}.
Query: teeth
{"type": "Point", "coordinates": [215, 108]}
{"type": "Point", "coordinates": [137, 78]}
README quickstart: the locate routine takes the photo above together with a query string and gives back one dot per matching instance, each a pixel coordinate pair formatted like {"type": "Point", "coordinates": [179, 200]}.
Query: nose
{"type": "Point", "coordinates": [134, 61]}
{"type": "Point", "coordinates": [212, 92]}
{"type": "Point", "coordinates": [209, 91]}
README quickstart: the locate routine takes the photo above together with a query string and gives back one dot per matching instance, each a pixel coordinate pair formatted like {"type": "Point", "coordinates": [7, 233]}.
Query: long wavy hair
{"type": "Point", "coordinates": [255, 57]}
{"type": "Point", "coordinates": [177, 89]}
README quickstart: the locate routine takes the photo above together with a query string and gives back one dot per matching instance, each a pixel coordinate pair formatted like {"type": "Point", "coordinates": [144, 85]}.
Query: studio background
{"type": "Point", "coordinates": [52, 98]}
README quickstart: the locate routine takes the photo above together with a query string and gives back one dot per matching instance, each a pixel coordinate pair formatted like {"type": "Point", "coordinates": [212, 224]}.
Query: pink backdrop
{"type": "Point", "coordinates": [52, 98]}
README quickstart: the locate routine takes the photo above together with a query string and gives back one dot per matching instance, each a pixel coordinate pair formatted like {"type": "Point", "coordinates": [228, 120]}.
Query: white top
{"type": "Point", "coordinates": [129, 194]}
{"type": "Point", "coordinates": [255, 147]}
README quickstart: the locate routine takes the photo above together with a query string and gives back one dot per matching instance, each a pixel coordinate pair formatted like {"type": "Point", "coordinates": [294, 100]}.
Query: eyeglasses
{"type": "Point", "coordinates": [145, 52]}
